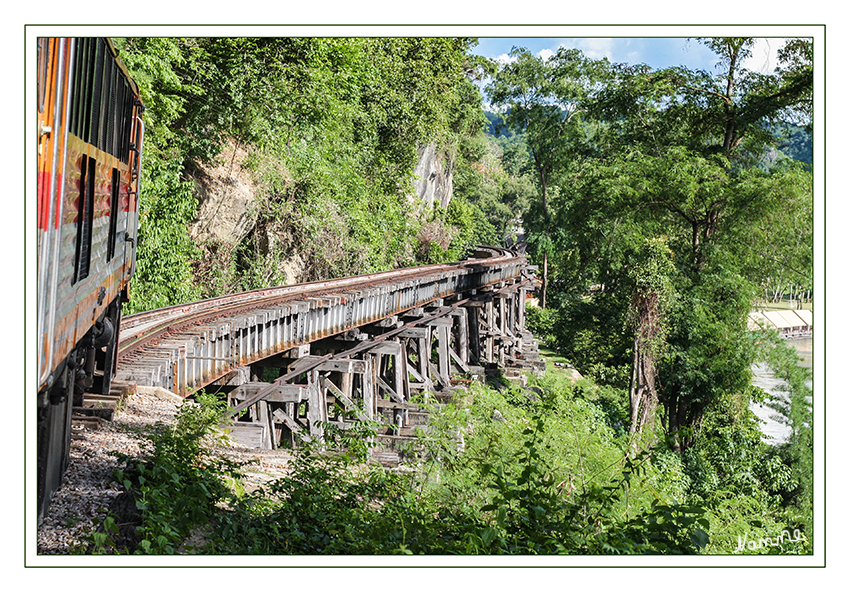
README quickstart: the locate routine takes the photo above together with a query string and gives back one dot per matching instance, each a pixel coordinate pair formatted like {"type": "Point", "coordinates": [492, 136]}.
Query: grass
{"type": "Point", "coordinates": [566, 368]}
{"type": "Point", "coordinates": [782, 305]}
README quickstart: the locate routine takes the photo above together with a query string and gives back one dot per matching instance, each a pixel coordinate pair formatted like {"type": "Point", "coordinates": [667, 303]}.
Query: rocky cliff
{"type": "Point", "coordinates": [227, 191]}
{"type": "Point", "coordinates": [245, 245]}
{"type": "Point", "coordinates": [433, 177]}
{"type": "Point", "coordinates": [225, 194]}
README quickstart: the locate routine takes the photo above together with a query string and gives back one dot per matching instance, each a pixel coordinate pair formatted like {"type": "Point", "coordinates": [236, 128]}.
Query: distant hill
{"type": "Point", "coordinates": [793, 141]}
{"type": "Point", "coordinates": [494, 120]}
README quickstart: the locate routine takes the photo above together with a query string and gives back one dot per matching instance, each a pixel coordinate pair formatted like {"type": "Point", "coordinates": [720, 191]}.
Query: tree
{"type": "Point", "coordinates": [678, 161]}
{"type": "Point", "coordinates": [331, 127]}
{"type": "Point", "coordinates": [651, 299]}
{"type": "Point", "coordinates": [541, 98]}
{"type": "Point", "coordinates": [780, 253]}
{"type": "Point", "coordinates": [163, 274]}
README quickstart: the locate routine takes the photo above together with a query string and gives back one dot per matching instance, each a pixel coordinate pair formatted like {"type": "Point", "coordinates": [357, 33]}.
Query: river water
{"type": "Point", "coordinates": [775, 432]}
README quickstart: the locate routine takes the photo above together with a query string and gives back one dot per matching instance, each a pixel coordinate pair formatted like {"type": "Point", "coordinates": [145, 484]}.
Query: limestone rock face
{"type": "Point", "coordinates": [228, 197]}
{"type": "Point", "coordinates": [225, 194]}
{"type": "Point", "coordinates": [433, 177]}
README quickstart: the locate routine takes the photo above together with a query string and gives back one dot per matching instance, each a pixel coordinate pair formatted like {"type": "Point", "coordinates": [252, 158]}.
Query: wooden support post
{"type": "Point", "coordinates": [473, 325]}
{"type": "Point", "coordinates": [317, 405]}
{"type": "Point", "coordinates": [260, 416]}
{"type": "Point", "coordinates": [368, 387]}
{"type": "Point", "coordinates": [462, 337]}
{"type": "Point", "coordinates": [443, 357]}
{"type": "Point", "coordinates": [402, 371]}
{"type": "Point", "coordinates": [414, 342]}
{"type": "Point", "coordinates": [508, 308]}
{"type": "Point", "coordinates": [346, 385]}
{"type": "Point", "coordinates": [503, 323]}
{"type": "Point", "coordinates": [400, 375]}
{"type": "Point", "coordinates": [520, 319]}
{"type": "Point", "coordinates": [490, 341]}
{"type": "Point", "coordinates": [425, 358]}
{"type": "Point", "coordinates": [517, 326]}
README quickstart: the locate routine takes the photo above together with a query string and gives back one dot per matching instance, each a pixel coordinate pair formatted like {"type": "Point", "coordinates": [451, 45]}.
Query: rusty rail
{"type": "Point", "coordinates": [186, 347]}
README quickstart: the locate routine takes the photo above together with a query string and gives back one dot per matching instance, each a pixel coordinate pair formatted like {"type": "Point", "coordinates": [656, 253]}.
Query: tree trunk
{"type": "Point", "coordinates": [545, 280]}
{"type": "Point", "coordinates": [643, 397]}
{"type": "Point", "coordinates": [680, 421]}
{"type": "Point", "coordinates": [647, 324]}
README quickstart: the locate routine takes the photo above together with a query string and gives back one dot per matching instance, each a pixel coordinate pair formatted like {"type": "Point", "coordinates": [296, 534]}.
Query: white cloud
{"type": "Point", "coordinates": [597, 48]}
{"type": "Point", "coordinates": [764, 58]}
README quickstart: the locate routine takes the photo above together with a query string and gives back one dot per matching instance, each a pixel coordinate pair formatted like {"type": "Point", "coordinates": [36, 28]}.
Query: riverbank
{"type": "Point", "coordinates": [775, 432]}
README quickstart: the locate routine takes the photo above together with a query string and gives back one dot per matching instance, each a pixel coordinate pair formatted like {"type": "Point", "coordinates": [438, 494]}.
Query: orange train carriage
{"type": "Point", "coordinates": [90, 136]}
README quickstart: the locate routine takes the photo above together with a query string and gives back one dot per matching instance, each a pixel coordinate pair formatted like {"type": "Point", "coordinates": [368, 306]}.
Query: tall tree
{"type": "Point", "coordinates": [541, 98]}
{"type": "Point", "coordinates": [681, 167]}
{"type": "Point", "coordinates": [651, 298]}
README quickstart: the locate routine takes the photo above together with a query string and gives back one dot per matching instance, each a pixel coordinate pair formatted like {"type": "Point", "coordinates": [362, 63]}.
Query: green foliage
{"type": "Point", "coordinates": [497, 185]}
{"type": "Point", "coordinates": [163, 274]}
{"type": "Point", "coordinates": [541, 470]}
{"type": "Point", "coordinates": [709, 350]}
{"type": "Point", "coordinates": [543, 99]}
{"type": "Point", "coordinates": [489, 483]}
{"type": "Point", "coordinates": [333, 127]}
{"type": "Point", "coordinates": [746, 484]}
{"type": "Point", "coordinates": [542, 323]}
{"type": "Point", "coordinates": [590, 332]}
{"type": "Point", "coordinates": [689, 156]}
{"type": "Point", "coordinates": [177, 485]}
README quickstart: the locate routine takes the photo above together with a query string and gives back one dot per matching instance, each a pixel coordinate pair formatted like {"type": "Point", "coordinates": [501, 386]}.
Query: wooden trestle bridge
{"type": "Point", "coordinates": [293, 359]}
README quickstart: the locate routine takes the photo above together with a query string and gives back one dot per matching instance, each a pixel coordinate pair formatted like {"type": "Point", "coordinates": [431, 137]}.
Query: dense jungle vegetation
{"type": "Point", "coordinates": [659, 204]}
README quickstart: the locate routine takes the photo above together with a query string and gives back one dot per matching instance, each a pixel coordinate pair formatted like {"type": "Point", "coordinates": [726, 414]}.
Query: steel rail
{"type": "Point", "coordinates": [186, 346]}
{"type": "Point", "coordinates": [140, 328]}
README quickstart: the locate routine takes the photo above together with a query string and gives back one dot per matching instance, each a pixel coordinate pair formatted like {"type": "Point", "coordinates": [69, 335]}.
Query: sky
{"type": "Point", "coordinates": [656, 52]}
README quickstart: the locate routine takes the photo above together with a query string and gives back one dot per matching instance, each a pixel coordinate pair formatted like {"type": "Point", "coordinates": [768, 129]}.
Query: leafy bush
{"type": "Point", "coordinates": [176, 486]}
{"type": "Point", "coordinates": [537, 470]}
{"type": "Point", "coordinates": [499, 473]}
{"type": "Point", "coordinates": [541, 322]}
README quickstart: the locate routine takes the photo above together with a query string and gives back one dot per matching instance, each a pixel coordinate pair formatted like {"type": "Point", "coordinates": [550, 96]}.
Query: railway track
{"type": "Point", "coordinates": [145, 328]}
{"type": "Point", "coordinates": [362, 344]}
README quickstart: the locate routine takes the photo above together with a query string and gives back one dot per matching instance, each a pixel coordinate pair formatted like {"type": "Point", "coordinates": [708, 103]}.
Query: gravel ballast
{"type": "Point", "coordinates": [88, 488]}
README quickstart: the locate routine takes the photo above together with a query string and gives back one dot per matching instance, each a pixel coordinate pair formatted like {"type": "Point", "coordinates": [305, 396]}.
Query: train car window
{"type": "Point", "coordinates": [102, 100]}
{"type": "Point", "coordinates": [97, 96]}
{"type": "Point", "coordinates": [85, 218]}
{"type": "Point", "coordinates": [43, 57]}
{"type": "Point", "coordinates": [113, 214]}
{"type": "Point", "coordinates": [81, 93]}
{"type": "Point", "coordinates": [108, 111]}
{"type": "Point", "coordinates": [74, 114]}
{"type": "Point", "coordinates": [87, 97]}
{"type": "Point", "coordinates": [126, 121]}
{"type": "Point", "coordinates": [120, 118]}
